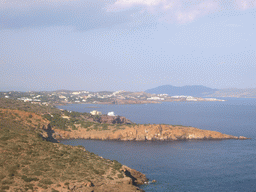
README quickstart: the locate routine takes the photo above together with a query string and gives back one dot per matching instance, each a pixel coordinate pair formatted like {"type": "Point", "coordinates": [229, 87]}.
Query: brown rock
{"type": "Point", "coordinates": [137, 177]}
{"type": "Point", "coordinates": [242, 137]}
{"type": "Point", "coordinates": [114, 120]}
{"type": "Point", "coordinates": [143, 132]}
{"type": "Point", "coordinates": [89, 184]}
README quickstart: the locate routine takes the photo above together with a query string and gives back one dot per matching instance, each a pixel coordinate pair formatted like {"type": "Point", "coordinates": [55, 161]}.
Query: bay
{"type": "Point", "coordinates": [226, 165]}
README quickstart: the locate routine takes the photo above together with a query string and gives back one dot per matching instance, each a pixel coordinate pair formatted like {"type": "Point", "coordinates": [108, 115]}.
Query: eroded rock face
{"type": "Point", "coordinates": [242, 137]}
{"type": "Point", "coordinates": [144, 133]}
{"type": "Point", "coordinates": [137, 177]}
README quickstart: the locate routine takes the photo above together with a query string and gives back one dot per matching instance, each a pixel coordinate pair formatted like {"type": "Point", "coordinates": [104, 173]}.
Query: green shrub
{"type": "Point", "coordinates": [46, 181]}
{"type": "Point", "coordinates": [5, 187]}
{"type": "Point", "coordinates": [104, 126]}
{"type": "Point", "coordinates": [29, 179]}
{"type": "Point", "coordinates": [6, 182]}
{"type": "Point", "coordinates": [101, 172]}
{"type": "Point", "coordinates": [111, 178]}
{"type": "Point", "coordinates": [86, 124]}
{"type": "Point", "coordinates": [1, 176]}
{"type": "Point", "coordinates": [5, 138]}
{"type": "Point", "coordinates": [120, 175]}
{"type": "Point", "coordinates": [13, 170]}
{"type": "Point", "coordinates": [29, 186]}
{"type": "Point", "coordinates": [37, 173]}
{"type": "Point", "coordinates": [117, 165]}
{"type": "Point", "coordinates": [74, 127]}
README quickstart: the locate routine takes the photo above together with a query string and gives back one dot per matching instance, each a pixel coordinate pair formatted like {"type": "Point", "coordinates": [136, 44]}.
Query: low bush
{"type": "Point", "coordinates": [46, 181]}
{"type": "Point", "coordinates": [117, 165]}
{"type": "Point", "coordinates": [120, 175]}
{"type": "Point", "coordinates": [5, 187]}
{"type": "Point", "coordinates": [6, 182]}
{"type": "Point", "coordinates": [29, 179]}
{"type": "Point", "coordinates": [29, 186]}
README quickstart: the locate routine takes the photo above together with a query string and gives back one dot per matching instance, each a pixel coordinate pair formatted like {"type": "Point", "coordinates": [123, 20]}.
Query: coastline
{"type": "Point", "coordinates": [143, 133]}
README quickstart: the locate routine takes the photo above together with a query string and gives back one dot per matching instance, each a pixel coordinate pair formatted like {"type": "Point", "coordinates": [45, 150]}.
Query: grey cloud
{"type": "Point", "coordinates": [83, 15]}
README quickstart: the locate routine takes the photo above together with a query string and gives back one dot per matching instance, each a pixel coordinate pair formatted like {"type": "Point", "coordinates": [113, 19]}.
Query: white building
{"type": "Point", "coordinates": [111, 113]}
{"type": "Point", "coordinates": [178, 96]}
{"type": "Point", "coordinates": [62, 97]}
{"type": "Point", "coordinates": [94, 112]}
{"type": "Point", "coordinates": [190, 98]}
{"type": "Point", "coordinates": [155, 98]}
{"type": "Point", "coordinates": [117, 92]}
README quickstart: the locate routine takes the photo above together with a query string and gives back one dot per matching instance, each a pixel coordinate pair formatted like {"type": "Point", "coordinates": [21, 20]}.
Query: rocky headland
{"type": "Point", "coordinates": [32, 160]}
{"type": "Point", "coordinates": [150, 132]}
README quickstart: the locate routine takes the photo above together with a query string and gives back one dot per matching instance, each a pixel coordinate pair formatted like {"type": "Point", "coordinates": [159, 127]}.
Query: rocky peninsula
{"type": "Point", "coordinates": [150, 132]}
{"type": "Point", "coordinates": [31, 159]}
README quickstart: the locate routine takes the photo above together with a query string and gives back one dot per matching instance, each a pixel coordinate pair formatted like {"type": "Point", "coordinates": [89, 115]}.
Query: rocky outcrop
{"type": "Point", "coordinates": [114, 120]}
{"type": "Point", "coordinates": [129, 182]}
{"type": "Point", "coordinates": [144, 133]}
{"type": "Point", "coordinates": [137, 177]}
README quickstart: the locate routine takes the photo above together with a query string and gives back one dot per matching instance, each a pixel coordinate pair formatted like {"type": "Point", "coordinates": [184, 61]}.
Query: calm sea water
{"type": "Point", "coordinates": [227, 165]}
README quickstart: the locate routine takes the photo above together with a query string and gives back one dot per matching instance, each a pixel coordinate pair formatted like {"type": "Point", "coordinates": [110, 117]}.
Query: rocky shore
{"type": "Point", "coordinates": [143, 133]}
{"type": "Point", "coordinates": [40, 163]}
{"type": "Point", "coordinates": [29, 139]}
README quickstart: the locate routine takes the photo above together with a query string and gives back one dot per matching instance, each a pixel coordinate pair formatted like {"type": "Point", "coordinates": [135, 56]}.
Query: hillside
{"type": "Point", "coordinates": [32, 159]}
{"type": "Point", "coordinates": [30, 162]}
{"type": "Point", "coordinates": [193, 90]}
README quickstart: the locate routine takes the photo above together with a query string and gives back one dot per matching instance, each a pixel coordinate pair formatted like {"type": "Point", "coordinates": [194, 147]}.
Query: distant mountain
{"type": "Point", "coordinates": [193, 90]}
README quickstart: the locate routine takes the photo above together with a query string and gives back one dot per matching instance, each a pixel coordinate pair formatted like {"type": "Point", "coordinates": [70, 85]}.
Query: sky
{"type": "Point", "coordinates": [131, 45]}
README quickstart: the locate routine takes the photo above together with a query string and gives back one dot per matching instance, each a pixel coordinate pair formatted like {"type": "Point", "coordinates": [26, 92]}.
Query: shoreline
{"type": "Point", "coordinates": [142, 133]}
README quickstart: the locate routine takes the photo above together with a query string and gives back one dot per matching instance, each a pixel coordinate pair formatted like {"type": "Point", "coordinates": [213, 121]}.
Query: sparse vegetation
{"type": "Point", "coordinates": [30, 162]}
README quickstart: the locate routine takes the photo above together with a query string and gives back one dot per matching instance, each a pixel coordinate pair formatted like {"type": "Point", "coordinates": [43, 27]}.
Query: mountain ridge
{"type": "Point", "coordinates": [192, 90]}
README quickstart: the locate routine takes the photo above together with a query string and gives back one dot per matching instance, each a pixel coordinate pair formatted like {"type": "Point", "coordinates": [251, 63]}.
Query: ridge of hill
{"type": "Point", "coordinates": [189, 90]}
{"type": "Point", "coordinates": [202, 91]}
{"type": "Point", "coordinates": [138, 132]}
{"type": "Point", "coordinates": [32, 160]}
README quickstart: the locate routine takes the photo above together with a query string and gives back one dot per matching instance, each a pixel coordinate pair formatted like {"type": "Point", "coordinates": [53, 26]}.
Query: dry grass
{"type": "Point", "coordinates": [30, 162]}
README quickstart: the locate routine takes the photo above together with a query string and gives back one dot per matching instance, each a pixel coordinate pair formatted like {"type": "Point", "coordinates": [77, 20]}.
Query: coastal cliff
{"type": "Point", "coordinates": [32, 160]}
{"type": "Point", "coordinates": [149, 132]}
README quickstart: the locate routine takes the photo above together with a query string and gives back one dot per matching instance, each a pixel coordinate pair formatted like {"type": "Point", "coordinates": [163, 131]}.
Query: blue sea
{"type": "Point", "coordinates": [208, 165]}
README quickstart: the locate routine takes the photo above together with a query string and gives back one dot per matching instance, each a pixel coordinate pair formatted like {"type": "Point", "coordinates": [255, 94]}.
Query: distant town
{"type": "Point", "coordinates": [64, 97]}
